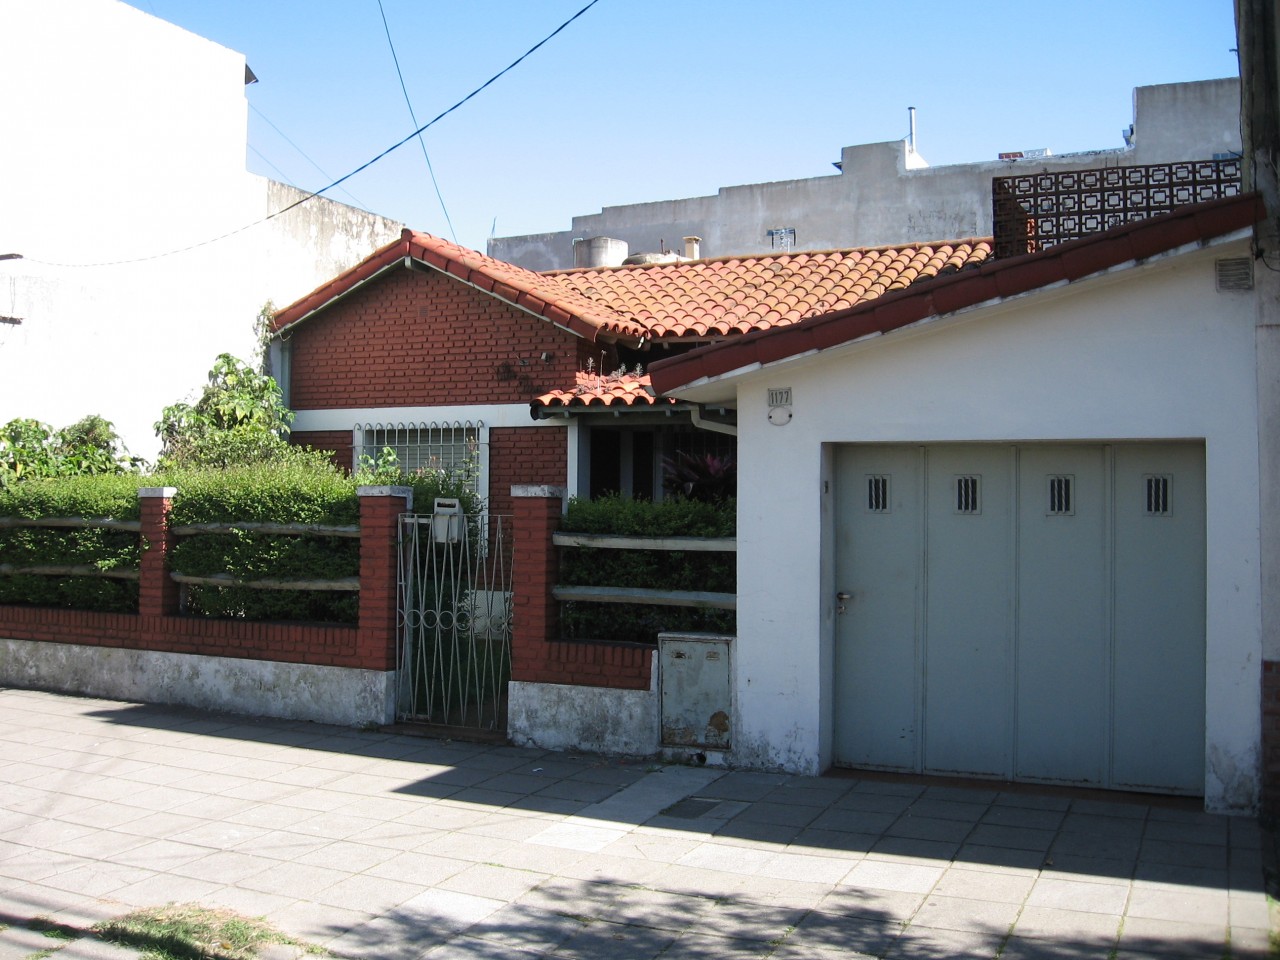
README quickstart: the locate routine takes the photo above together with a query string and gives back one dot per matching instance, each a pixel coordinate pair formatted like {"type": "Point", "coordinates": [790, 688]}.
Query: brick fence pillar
{"type": "Point", "coordinates": [380, 509]}
{"type": "Point", "coordinates": [158, 594]}
{"type": "Point", "coordinates": [535, 616]}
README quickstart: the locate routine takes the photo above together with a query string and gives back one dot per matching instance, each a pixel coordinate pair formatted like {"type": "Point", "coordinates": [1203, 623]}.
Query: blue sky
{"type": "Point", "coordinates": [641, 101]}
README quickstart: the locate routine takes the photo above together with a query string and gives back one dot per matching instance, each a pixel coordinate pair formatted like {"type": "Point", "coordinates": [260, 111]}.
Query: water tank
{"type": "Point", "coordinates": [599, 252]}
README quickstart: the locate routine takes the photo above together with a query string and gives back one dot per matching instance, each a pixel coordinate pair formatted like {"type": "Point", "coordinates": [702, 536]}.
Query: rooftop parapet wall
{"type": "Point", "coordinates": [884, 193]}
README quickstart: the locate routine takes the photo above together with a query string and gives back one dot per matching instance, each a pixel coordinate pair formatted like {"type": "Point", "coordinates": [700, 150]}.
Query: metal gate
{"type": "Point", "coordinates": [454, 647]}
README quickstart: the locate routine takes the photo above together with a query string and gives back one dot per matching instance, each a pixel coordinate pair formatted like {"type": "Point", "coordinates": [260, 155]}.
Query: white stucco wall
{"type": "Point", "coordinates": [1146, 353]}
{"type": "Point", "coordinates": [885, 193]}
{"type": "Point", "coordinates": [256, 688]}
{"type": "Point", "coordinates": [125, 141]}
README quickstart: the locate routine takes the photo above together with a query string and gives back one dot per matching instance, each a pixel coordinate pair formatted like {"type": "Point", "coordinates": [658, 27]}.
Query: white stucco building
{"type": "Point", "coordinates": [1005, 524]}
{"type": "Point", "coordinates": [123, 187]}
{"type": "Point", "coordinates": [884, 193]}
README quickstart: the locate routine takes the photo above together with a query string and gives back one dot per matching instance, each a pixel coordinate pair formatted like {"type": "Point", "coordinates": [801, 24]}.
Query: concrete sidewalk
{"type": "Point", "coordinates": [379, 845]}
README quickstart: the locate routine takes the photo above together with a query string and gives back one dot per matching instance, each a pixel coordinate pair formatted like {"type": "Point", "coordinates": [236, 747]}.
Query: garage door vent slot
{"type": "Point", "coordinates": [967, 495]}
{"type": "Point", "coordinates": [1157, 496]}
{"type": "Point", "coordinates": [1060, 497]}
{"type": "Point", "coordinates": [878, 494]}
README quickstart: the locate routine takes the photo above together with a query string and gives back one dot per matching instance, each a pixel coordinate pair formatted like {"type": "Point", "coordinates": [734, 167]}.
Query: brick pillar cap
{"type": "Point", "coordinates": [168, 493]}
{"type": "Point", "coordinates": [372, 491]}
{"type": "Point", "coordinates": [537, 490]}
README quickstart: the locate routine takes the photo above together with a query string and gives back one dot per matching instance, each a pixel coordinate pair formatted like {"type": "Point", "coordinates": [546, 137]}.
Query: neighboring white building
{"type": "Point", "coordinates": [1005, 524]}
{"type": "Point", "coordinates": [885, 193]}
{"type": "Point", "coordinates": [125, 141]}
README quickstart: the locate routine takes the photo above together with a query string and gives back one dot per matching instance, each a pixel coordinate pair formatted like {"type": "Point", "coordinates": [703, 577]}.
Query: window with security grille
{"type": "Point", "coordinates": [452, 448]}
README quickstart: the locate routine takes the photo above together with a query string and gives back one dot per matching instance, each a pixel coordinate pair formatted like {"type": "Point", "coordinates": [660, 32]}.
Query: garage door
{"type": "Point", "coordinates": [1030, 612]}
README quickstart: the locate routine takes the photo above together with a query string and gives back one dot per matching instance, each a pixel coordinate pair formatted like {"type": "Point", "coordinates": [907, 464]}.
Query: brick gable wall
{"type": "Point", "coordinates": [414, 338]}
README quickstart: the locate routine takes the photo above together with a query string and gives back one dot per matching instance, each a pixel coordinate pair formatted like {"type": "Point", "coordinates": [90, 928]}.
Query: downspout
{"type": "Point", "coordinates": [695, 417]}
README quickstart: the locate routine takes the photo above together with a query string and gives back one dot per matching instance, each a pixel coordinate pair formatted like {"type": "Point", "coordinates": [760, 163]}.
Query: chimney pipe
{"type": "Point", "coordinates": [911, 137]}
{"type": "Point", "coordinates": [693, 247]}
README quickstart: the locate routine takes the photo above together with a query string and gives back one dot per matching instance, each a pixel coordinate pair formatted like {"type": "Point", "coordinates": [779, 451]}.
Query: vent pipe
{"type": "Point", "coordinates": [911, 137]}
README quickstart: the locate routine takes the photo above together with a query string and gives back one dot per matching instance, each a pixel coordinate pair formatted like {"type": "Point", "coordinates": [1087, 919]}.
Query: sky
{"type": "Point", "coordinates": [636, 101]}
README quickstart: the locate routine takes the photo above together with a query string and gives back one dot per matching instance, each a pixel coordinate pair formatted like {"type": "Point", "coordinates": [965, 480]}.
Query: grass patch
{"type": "Point", "coordinates": [52, 929]}
{"type": "Point", "coordinates": [190, 932]}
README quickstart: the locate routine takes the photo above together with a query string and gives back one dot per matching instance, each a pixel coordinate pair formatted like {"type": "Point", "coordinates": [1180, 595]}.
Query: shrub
{"type": "Point", "coordinates": [105, 496]}
{"type": "Point", "coordinates": [304, 488]}
{"type": "Point", "coordinates": [653, 569]}
{"type": "Point", "coordinates": [31, 450]}
{"type": "Point", "coordinates": [239, 419]}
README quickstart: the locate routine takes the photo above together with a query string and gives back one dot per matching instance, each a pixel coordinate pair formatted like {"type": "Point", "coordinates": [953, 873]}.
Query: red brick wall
{"type": "Point", "coordinates": [1271, 735]}
{"type": "Point", "coordinates": [529, 455]}
{"type": "Point", "coordinates": [287, 643]}
{"type": "Point", "coordinates": [337, 441]}
{"type": "Point", "coordinates": [591, 664]}
{"type": "Point", "coordinates": [414, 338]}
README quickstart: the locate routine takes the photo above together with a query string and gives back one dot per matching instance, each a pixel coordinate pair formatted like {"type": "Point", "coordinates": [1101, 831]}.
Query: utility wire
{"type": "Point", "coordinates": [364, 166]}
{"type": "Point", "coordinates": [414, 117]}
{"type": "Point", "coordinates": [284, 177]}
{"type": "Point", "coordinates": [324, 173]}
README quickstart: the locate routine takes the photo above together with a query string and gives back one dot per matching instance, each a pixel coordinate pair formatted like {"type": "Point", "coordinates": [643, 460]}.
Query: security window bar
{"type": "Point", "coordinates": [967, 495]}
{"type": "Point", "coordinates": [453, 449]}
{"type": "Point", "coordinates": [1157, 496]}
{"type": "Point", "coordinates": [1060, 503]}
{"type": "Point", "coordinates": [878, 494]}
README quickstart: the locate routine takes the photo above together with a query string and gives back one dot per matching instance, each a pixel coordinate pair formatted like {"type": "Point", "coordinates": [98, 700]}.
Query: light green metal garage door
{"type": "Point", "coordinates": [1030, 612]}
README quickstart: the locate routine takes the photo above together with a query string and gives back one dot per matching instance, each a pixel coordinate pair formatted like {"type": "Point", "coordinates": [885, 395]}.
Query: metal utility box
{"type": "Point", "coordinates": [693, 675]}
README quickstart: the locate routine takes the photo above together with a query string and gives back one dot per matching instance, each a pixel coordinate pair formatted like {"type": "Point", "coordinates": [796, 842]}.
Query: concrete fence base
{"type": "Point", "coordinates": [265, 688]}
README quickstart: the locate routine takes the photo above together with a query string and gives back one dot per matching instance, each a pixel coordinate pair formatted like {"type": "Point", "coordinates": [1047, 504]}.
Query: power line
{"type": "Point", "coordinates": [440, 116]}
{"type": "Point", "coordinates": [414, 117]}
{"type": "Point", "coordinates": [324, 173]}
{"type": "Point", "coordinates": [360, 169]}
{"type": "Point", "coordinates": [284, 177]}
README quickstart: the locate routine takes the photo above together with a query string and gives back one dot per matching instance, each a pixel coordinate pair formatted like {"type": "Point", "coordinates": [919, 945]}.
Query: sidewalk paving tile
{"type": "Point", "coordinates": [385, 846]}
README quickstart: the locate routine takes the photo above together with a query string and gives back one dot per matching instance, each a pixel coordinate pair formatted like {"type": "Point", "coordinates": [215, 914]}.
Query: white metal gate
{"type": "Point", "coordinates": [454, 647]}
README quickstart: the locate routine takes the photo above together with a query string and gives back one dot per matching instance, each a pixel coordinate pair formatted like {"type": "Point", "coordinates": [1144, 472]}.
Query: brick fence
{"type": "Point", "coordinates": [537, 653]}
{"type": "Point", "coordinates": [287, 669]}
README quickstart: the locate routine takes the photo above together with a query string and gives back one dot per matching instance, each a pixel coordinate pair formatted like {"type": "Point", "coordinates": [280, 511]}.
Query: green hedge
{"type": "Point", "coordinates": [305, 491]}
{"type": "Point", "coordinates": [304, 488]}
{"type": "Point", "coordinates": [113, 497]}
{"type": "Point", "coordinates": [294, 492]}
{"type": "Point", "coordinates": [653, 569]}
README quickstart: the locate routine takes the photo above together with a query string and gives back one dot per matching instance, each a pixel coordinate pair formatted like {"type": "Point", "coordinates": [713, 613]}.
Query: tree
{"type": "Point", "coordinates": [240, 418]}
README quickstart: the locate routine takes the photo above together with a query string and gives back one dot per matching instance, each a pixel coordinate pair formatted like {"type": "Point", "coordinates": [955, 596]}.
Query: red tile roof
{"type": "Point", "coordinates": [995, 280]}
{"type": "Point", "coordinates": [539, 294]}
{"type": "Point", "coordinates": [689, 300]}
{"type": "Point", "coordinates": [611, 390]}
{"type": "Point", "coordinates": [714, 298]}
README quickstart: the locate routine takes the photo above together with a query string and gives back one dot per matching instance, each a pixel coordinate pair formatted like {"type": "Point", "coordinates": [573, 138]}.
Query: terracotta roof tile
{"type": "Point", "coordinates": [593, 390]}
{"type": "Point", "coordinates": [707, 299]}
{"type": "Point", "coordinates": [685, 300]}
{"type": "Point", "coordinates": [532, 291]}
